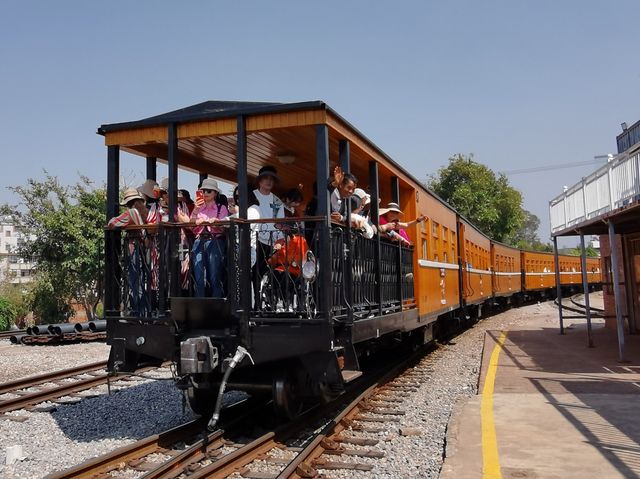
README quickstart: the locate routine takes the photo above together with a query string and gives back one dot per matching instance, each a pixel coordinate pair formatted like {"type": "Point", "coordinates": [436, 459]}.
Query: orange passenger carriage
{"type": "Point", "coordinates": [506, 269]}
{"type": "Point", "coordinates": [475, 259]}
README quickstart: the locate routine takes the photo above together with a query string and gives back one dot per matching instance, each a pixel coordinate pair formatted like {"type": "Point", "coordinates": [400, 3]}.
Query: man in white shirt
{"type": "Point", "coordinates": [269, 206]}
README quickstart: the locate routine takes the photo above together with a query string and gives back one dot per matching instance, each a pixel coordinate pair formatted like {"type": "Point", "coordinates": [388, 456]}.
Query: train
{"type": "Point", "coordinates": [300, 330]}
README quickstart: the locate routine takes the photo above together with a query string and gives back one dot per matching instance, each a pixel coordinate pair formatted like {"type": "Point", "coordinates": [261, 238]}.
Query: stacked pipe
{"type": "Point", "coordinates": [58, 330]}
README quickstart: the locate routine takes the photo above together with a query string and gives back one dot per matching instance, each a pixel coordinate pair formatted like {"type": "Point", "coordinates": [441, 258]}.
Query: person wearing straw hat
{"type": "Point", "coordinates": [135, 214]}
{"type": "Point", "coordinates": [359, 221]}
{"type": "Point", "coordinates": [150, 190]}
{"type": "Point", "coordinates": [389, 223]}
{"type": "Point", "coordinates": [210, 247]}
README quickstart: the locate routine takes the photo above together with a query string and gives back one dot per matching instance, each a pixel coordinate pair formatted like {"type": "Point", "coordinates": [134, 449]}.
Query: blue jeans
{"type": "Point", "coordinates": [138, 303]}
{"type": "Point", "coordinates": [209, 254]}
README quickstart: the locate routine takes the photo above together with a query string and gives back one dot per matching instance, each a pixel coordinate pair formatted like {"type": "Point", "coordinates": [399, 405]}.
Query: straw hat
{"type": "Point", "coordinates": [130, 194]}
{"type": "Point", "coordinates": [390, 207]}
{"type": "Point", "coordinates": [210, 184]}
{"type": "Point", "coordinates": [149, 188]}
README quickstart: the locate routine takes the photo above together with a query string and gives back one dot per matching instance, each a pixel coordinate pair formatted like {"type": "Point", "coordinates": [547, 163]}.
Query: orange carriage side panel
{"type": "Point", "coordinates": [539, 270]}
{"type": "Point", "coordinates": [570, 269]}
{"type": "Point", "coordinates": [594, 270]}
{"type": "Point", "coordinates": [506, 269]}
{"type": "Point", "coordinates": [436, 255]}
{"type": "Point", "coordinates": [475, 255]}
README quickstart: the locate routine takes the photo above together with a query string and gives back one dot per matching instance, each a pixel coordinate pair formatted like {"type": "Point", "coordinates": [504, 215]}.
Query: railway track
{"type": "Point", "coordinates": [26, 393]}
{"type": "Point", "coordinates": [572, 304]}
{"type": "Point", "coordinates": [274, 453]}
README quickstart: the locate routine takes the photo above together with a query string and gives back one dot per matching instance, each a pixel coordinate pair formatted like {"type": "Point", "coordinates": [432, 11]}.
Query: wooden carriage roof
{"type": "Point", "coordinates": [207, 140]}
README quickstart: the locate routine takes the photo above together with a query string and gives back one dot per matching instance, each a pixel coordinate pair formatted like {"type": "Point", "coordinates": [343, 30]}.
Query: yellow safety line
{"type": "Point", "coordinates": [490, 459]}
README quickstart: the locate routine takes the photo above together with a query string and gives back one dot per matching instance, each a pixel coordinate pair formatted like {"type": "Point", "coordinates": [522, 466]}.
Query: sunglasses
{"type": "Point", "coordinates": [205, 190]}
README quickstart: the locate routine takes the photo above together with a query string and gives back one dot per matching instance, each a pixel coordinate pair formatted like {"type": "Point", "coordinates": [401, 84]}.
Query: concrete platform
{"type": "Point", "coordinates": [558, 409]}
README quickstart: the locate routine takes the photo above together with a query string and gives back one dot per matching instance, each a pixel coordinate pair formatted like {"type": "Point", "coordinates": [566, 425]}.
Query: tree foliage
{"type": "Point", "coordinates": [577, 251]}
{"type": "Point", "coordinates": [7, 314]}
{"type": "Point", "coordinates": [481, 196]}
{"type": "Point", "coordinates": [527, 236]}
{"type": "Point", "coordinates": [63, 227]}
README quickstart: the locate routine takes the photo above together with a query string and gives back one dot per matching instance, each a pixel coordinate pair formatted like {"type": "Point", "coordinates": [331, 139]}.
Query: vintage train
{"type": "Point", "coordinates": [296, 332]}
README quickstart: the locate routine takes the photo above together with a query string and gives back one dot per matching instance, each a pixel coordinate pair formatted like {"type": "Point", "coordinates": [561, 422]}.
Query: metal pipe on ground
{"type": "Point", "coordinates": [17, 338]}
{"type": "Point", "coordinates": [61, 329]}
{"type": "Point", "coordinates": [29, 330]}
{"type": "Point", "coordinates": [97, 326]}
{"type": "Point", "coordinates": [82, 327]}
{"type": "Point", "coordinates": [41, 329]}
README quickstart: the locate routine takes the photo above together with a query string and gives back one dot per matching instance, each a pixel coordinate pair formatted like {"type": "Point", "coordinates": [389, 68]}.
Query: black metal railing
{"type": "Point", "coordinates": [147, 265]}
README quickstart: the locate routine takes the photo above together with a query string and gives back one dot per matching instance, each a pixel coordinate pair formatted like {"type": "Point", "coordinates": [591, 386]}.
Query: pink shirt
{"type": "Point", "coordinates": [206, 213]}
{"type": "Point", "coordinates": [383, 221]}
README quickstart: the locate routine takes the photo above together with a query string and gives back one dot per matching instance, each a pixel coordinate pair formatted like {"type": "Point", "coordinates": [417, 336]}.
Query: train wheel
{"type": "Point", "coordinates": [286, 397]}
{"type": "Point", "coordinates": [202, 401]}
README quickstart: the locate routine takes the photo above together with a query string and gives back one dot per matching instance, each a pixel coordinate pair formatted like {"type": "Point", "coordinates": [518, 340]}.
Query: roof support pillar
{"type": "Point", "coordinates": [585, 288]}
{"type": "Point", "coordinates": [173, 259]}
{"type": "Point", "coordinates": [201, 178]}
{"type": "Point", "coordinates": [112, 271]}
{"type": "Point", "coordinates": [323, 228]}
{"type": "Point", "coordinates": [344, 149]}
{"type": "Point", "coordinates": [244, 265]}
{"type": "Point", "coordinates": [616, 291]}
{"type": "Point", "coordinates": [395, 189]}
{"type": "Point", "coordinates": [375, 217]}
{"type": "Point", "coordinates": [151, 168]}
{"type": "Point", "coordinates": [558, 284]}
{"type": "Point", "coordinates": [395, 197]}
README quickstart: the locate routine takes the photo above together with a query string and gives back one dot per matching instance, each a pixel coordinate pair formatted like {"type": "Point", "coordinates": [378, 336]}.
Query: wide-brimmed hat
{"type": "Point", "coordinates": [390, 207]}
{"type": "Point", "coordinates": [130, 194]}
{"type": "Point", "coordinates": [164, 184]}
{"type": "Point", "coordinates": [210, 184]}
{"type": "Point", "coordinates": [268, 171]}
{"type": "Point", "coordinates": [360, 193]}
{"type": "Point", "coordinates": [149, 188]}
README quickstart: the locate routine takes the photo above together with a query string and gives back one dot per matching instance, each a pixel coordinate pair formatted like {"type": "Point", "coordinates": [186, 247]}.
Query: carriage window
{"type": "Point", "coordinates": [424, 249]}
{"type": "Point", "coordinates": [434, 229]}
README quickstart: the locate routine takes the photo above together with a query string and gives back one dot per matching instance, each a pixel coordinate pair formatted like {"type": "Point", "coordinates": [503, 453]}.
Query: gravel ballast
{"type": "Point", "coordinates": [73, 433]}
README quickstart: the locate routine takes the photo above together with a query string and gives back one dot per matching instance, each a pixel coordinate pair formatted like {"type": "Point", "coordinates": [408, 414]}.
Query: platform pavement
{"type": "Point", "coordinates": [560, 409]}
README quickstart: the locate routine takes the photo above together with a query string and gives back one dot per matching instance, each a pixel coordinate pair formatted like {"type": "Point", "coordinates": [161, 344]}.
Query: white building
{"type": "Point", "coordinates": [13, 268]}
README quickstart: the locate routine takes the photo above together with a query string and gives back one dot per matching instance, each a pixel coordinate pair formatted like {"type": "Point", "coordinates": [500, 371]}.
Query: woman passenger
{"type": "Point", "coordinates": [209, 248]}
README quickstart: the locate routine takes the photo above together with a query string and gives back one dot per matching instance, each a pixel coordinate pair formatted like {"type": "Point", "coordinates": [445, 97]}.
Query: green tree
{"type": "Point", "coordinates": [481, 196]}
{"type": "Point", "coordinates": [7, 314]}
{"type": "Point", "coordinates": [527, 236]}
{"type": "Point", "coordinates": [577, 251]}
{"type": "Point", "coordinates": [63, 228]}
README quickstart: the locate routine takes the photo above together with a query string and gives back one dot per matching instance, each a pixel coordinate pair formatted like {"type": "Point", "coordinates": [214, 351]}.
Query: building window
{"type": "Point", "coordinates": [7, 233]}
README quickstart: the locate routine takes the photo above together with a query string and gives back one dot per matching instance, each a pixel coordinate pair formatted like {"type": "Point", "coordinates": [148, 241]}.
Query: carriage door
{"type": "Point", "coordinates": [633, 272]}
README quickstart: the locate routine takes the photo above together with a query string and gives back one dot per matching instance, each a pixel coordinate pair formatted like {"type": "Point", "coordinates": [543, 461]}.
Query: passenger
{"type": "Point", "coordinates": [341, 187]}
{"type": "Point", "coordinates": [209, 248]}
{"type": "Point", "coordinates": [151, 192]}
{"type": "Point", "coordinates": [186, 197]}
{"type": "Point", "coordinates": [390, 225]}
{"type": "Point", "coordinates": [135, 214]}
{"type": "Point", "coordinates": [253, 213]}
{"type": "Point", "coordinates": [358, 221]}
{"type": "Point", "coordinates": [311, 210]}
{"type": "Point", "coordinates": [292, 200]}
{"type": "Point", "coordinates": [269, 206]}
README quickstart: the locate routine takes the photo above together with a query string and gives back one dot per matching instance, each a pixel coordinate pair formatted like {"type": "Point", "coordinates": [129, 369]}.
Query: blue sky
{"type": "Point", "coordinates": [518, 84]}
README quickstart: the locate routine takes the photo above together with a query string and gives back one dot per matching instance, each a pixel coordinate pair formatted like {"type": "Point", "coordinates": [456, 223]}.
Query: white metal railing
{"type": "Point", "coordinates": [611, 186]}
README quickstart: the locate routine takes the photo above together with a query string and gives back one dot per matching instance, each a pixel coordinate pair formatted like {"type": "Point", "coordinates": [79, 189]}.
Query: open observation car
{"type": "Point", "coordinates": [327, 295]}
{"type": "Point", "coordinates": [296, 330]}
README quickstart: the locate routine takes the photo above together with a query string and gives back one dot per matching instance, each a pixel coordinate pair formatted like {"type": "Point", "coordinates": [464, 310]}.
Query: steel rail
{"type": "Point", "coordinates": [130, 452]}
{"type": "Point", "coordinates": [8, 334]}
{"type": "Point", "coordinates": [315, 449]}
{"type": "Point", "coordinates": [48, 377]}
{"type": "Point", "coordinates": [63, 390]}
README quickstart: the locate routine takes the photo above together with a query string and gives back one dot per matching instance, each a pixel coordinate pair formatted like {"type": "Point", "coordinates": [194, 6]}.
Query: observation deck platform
{"type": "Point", "coordinates": [549, 406]}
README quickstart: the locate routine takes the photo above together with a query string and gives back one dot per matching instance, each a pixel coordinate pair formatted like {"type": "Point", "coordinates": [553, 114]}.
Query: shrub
{"type": "Point", "coordinates": [7, 314]}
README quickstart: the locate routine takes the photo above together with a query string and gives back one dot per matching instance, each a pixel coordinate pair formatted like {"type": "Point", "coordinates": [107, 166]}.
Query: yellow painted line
{"type": "Point", "coordinates": [490, 459]}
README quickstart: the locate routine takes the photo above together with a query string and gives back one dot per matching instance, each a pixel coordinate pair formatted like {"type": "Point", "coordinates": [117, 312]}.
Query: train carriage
{"type": "Point", "coordinates": [299, 327]}
{"type": "Point", "coordinates": [505, 269]}
{"type": "Point", "coordinates": [475, 259]}
{"type": "Point", "coordinates": [538, 270]}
